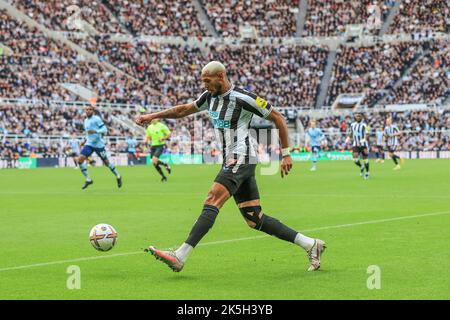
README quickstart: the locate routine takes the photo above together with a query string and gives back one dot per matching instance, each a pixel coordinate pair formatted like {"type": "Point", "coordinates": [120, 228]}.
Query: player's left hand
{"type": "Point", "coordinates": [91, 131]}
{"type": "Point", "coordinates": [286, 165]}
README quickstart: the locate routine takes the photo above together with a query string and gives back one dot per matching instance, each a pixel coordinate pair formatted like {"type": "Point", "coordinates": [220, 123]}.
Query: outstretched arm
{"type": "Point", "coordinates": [176, 112]}
{"type": "Point", "coordinates": [286, 162]}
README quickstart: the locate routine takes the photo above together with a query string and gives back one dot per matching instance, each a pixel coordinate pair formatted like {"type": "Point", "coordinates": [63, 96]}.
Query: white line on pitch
{"type": "Point", "coordinates": [230, 240]}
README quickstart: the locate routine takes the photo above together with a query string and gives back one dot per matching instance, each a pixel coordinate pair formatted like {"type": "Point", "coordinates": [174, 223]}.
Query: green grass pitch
{"type": "Point", "coordinates": [398, 221]}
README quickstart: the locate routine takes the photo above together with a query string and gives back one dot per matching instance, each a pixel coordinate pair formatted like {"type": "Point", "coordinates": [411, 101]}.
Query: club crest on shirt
{"type": "Point", "coordinates": [261, 102]}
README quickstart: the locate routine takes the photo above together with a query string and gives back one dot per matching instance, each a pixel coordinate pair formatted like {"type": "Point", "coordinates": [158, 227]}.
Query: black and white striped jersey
{"type": "Point", "coordinates": [231, 114]}
{"type": "Point", "coordinates": [389, 131]}
{"type": "Point", "coordinates": [359, 131]}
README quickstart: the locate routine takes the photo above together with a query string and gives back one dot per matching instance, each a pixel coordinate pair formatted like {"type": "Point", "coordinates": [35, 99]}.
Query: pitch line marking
{"type": "Point", "coordinates": [229, 240]}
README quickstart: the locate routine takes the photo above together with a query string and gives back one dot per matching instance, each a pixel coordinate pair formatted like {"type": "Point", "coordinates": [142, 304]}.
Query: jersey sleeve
{"type": "Point", "coordinates": [147, 132]}
{"type": "Point", "coordinates": [202, 102]}
{"type": "Point", "coordinates": [321, 135]}
{"type": "Point", "coordinates": [256, 104]}
{"type": "Point", "coordinates": [101, 126]}
{"type": "Point", "coordinates": [165, 129]}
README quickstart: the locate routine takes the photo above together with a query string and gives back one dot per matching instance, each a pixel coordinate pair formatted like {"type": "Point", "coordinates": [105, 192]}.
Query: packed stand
{"type": "Point", "coordinates": [159, 18]}
{"type": "Point", "coordinates": [330, 18]}
{"type": "Point", "coordinates": [422, 15]}
{"type": "Point", "coordinates": [428, 81]}
{"type": "Point", "coordinates": [62, 15]}
{"type": "Point", "coordinates": [269, 18]}
{"type": "Point", "coordinates": [39, 65]}
{"type": "Point", "coordinates": [370, 69]}
{"type": "Point", "coordinates": [284, 75]}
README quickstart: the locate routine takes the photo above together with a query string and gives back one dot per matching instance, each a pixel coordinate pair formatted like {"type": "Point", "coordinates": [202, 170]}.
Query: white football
{"type": "Point", "coordinates": [103, 237]}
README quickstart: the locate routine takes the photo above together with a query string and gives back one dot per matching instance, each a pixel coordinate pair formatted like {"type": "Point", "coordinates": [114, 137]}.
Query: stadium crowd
{"type": "Point", "coordinates": [429, 79]}
{"type": "Point", "coordinates": [61, 15]}
{"type": "Point", "coordinates": [288, 75]}
{"type": "Point", "coordinates": [422, 15]}
{"type": "Point", "coordinates": [159, 18]}
{"type": "Point", "coordinates": [330, 18]}
{"type": "Point", "coordinates": [270, 18]}
{"type": "Point", "coordinates": [370, 69]}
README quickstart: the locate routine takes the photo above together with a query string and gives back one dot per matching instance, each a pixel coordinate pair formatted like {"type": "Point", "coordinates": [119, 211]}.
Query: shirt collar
{"type": "Point", "coordinates": [224, 94]}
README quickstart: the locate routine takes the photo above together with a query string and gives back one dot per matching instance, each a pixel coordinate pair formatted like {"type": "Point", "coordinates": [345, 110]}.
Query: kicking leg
{"type": "Point", "coordinates": [216, 198]}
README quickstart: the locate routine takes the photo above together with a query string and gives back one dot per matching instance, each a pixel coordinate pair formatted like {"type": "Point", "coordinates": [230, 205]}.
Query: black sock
{"type": "Point", "coordinates": [158, 168]}
{"type": "Point", "coordinates": [163, 163]}
{"type": "Point", "coordinates": [276, 228]}
{"type": "Point", "coordinates": [377, 155]}
{"type": "Point", "coordinates": [202, 225]}
{"type": "Point", "coordinates": [394, 157]}
{"type": "Point", "coordinates": [358, 163]}
{"type": "Point", "coordinates": [367, 167]}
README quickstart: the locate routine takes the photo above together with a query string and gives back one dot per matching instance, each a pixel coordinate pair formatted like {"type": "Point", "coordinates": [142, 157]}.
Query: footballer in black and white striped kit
{"type": "Point", "coordinates": [359, 134]}
{"type": "Point", "coordinates": [231, 109]}
{"type": "Point", "coordinates": [392, 133]}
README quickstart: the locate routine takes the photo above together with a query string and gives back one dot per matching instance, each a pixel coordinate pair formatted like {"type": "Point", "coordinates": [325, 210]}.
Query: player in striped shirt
{"type": "Point", "coordinates": [379, 136]}
{"type": "Point", "coordinates": [231, 110]}
{"type": "Point", "coordinates": [359, 133]}
{"type": "Point", "coordinates": [392, 133]}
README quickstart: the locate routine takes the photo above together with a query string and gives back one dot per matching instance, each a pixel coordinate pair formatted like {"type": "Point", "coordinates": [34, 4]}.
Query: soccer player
{"type": "Point", "coordinates": [95, 129]}
{"type": "Point", "coordinates": [131, 149]}
{"type": "Point", "coordinates": [315, 137]}
{"type": "Point", "coordinates": [392, 133]}
{"type": "Point", "coordinates": [379, 135]}
{"type": "Point", "coordinates": [359, 134]}
{"type": "Point", "coordinates": [231, 110]}
{"type": "Point", "coordinates": [74, 149]}
{"type": "Point", "coordinates": [157, 133]}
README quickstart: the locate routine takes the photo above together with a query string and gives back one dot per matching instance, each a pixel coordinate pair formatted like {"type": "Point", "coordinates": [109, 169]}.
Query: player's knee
{"type": "Point", "coordinates": [253, 216]}
{"type": "Point", "coordinates": [81, 159]}
{"type": "Point", "coordinates": [215, 199]}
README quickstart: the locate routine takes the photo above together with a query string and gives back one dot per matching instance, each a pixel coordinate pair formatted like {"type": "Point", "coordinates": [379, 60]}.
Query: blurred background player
{"type": "Point", "coordinates": [360, 146]}
{"type": "Point", "coordinates": [95, 129]}
{"type": "Point", "coordinates": [74, 144]}
{"type": "Point", "coordinates": [157, 134]}
{"type": "Point", "coordinates": [315, 139]}
{"type": "Point", "coordinates": [379, 136]}
{"type": "Point", "coordinates": [392, 133]}
{"type": "Point", "coordinates": [131, 149]}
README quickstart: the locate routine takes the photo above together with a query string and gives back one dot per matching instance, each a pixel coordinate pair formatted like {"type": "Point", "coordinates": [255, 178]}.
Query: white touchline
{"type": "Point", "coordinates": [228, 241]}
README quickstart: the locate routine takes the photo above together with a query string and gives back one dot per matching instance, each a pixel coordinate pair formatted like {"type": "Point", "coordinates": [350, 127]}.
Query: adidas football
{"type": "Point", "coordinates": [103, 237]}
